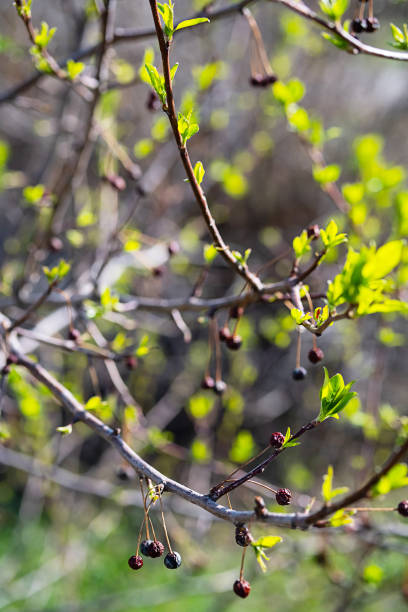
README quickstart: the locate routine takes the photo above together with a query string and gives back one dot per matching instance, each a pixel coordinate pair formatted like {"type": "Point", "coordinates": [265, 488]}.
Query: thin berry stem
{"type": "Point", "coordinates": [164, 525]}
{"type": "Point", "coordinates": [298, 346]}
{"type": "Point", "coordinates": [241, 570]}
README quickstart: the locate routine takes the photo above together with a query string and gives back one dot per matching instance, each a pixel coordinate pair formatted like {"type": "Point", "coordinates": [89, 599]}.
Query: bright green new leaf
{"type": "Point", "coordinates": [267, 541]}
{"type": "Point", "coordinates": [167, 13]}
{"type": "Point", "coordinates": [210, 253]}
{"type": "Point", "coordinates": [287, 443]}
{"type": "Point", "coordinates": [334, 396]}
{"type": "Point", "coordinates": [57, 273]}
{"type": "Point", "coordinates": [327, 491]}
{"type": "Point", "coordinates": [74, 69]}
{"type": "Point", "coordinates": [298, 316]}
{"type": "Point", "coordinates": [65, 430]}
{"type": "Point", "coordinates": [396, 478]}
{"type": "Point", "coordinates": [157, 82]}
{"type": "Point", "coordinates": [33, 193]}
{"type": "Point", "coordinates": [330, 237]}
{"type": "Point", "coordinates": [143, 348]}
{"type": "Point", "coordinates": [326, 174]}
{"type": "Point", "coordinates": [199, 172]}
{"type": "Point", "coordinates": [188, 23]}
{"type": "Point", "coordinates": [44, 36]}
{"type": "Point", "coordinates": [301, 244]}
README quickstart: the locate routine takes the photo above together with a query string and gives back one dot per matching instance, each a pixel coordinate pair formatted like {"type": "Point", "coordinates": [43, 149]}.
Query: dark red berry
{"type": "Point", "coordinates": [5, 370]}
{"type": "Point", "coordinates": [153, 102]}
{"type": "Point", "coordinates": [156, 549]}
{"type": "Point", "coordinates": [234, 343]}
{"type": "Point", "coordinates": [131, 362]}
{"type": "Point", "coordinates": [11, 359]}
{"type": "Point", "coordinates": [158, 272]}
{"type": "Point", "coordinates": [224, 334]}
{"type": "Point", "coordinates": [277, 439]}
{"type": "Point", "coordinates": [172, 560]}
{"type": "Point", "coordinates": [372, 24]}
{"type": "Point", "coordinates": [283, 497]}
{"type": "Point", "coordinates": [125, 473]}
{"type": "Point", "coordinates": [220, 387]}
{"type": "Point", "coordinates": [357, 25]}
{"type": "Point", "coordinates": [207, 382]}
{"type": "Point", "coordinates": [135, 562]}
{"type": "Point", "coordinates": [145, 547]}
{"type": "Point", "coordinates": [313, 231]}
{"type": "Point", "coordinates": [236, 312]}
{"type": "Point", "coordinates": [299, 373]}
{"type": "Point", "coordinates": [55, 244]}
{"type": "Point", "coordinates": [315, 355]}
{"type": "Point", "coordinates": [256, 80]}
{"type": "Point", "coordinates": [242, 588]}
{"type": "Point", "coordinates": [74, 334]}
{"type": "Point", "coordinates": [173, 248]}
{"type": "Point", "coordinates": [243, 536]}
{"type": "Point", "coordinates": [403, 508]}
{"type": "Point", "coordinates": [116, 181]}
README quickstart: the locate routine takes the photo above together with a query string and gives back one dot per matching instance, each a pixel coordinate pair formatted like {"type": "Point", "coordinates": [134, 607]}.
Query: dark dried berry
{"type": "Point", "coordinates": [5, 370]}
{"type": "Point", "coordinates": [242, 588]}
{"type": "Point", "coordinates": [173, 248]}
{"type": "Point", "coordinates": [135, 562]}
{"type": "Point", "coordinates": [172, 560]}
{"type": "Point", "coordinates": [156, 549]}
{"type": "Point", "coordinates": [283, 497]}
{"type": "Point", "coordinates": [243, 536]}
{"type": "Point", "coordinates": [74, 334]}
{"type": "Point", "coordinates": [224, 334]}
{"type": "Point", "coordinates": [11, 358]}
{"type": "Point", "coordinates": [315, 355]}
{"type": "Point", "coordinates": [313, 231]}
{"type": "Point", "coordinates": [55, 244]}
{"type": "Point", "coordinates": [357, 25]}
{"type": "Point", "coordinates": [372, 24]}
{"type": "Point", "coordinates": [153, 102]}
{"type": "Point", "coordinates": [116, 181]}
{"type": "Point", "coordinates": [220, 387]}
{"type": "Point", "coordinates": [256, 80]}
{"type": "Point", "coordinates": [299, 373]}
{"type": "Point", "coordinates": [236, 312]}
{"type": "Point", "coordinates": [207, 382]}
{"type": "Point", "coordinates": [234, 343]}
{"type": "Point", "coordinates": [403, 508]}
{"type": "Point", "coordinates": [158, 272]}
{"type": "Point", "coordinates": [145, 547]}
{"type": "Point", "coordinates": [131, 362]}
{"type": "Point", "coordinates": [277, 439]}
{"type": "Point", "coordinates": [125, 473]}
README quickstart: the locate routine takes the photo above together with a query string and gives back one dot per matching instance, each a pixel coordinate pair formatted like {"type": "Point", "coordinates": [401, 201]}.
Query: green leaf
{"type": "Point", "coordinates": [396, 478]}
{"type": "Point", "coordinates": [210, 253]}
{"type": "Point", "coordinates": [57, 272]}
{"type": "Point", "coordinates": [326, 174]}
{"type": "Point", "coordinates": [44, 36]}
{"type": "Point", "coordinates": [340, 518]}
{"type": "Point", "coordinates": [186, 128]}
{"type": "Point", "coordinates": [65, 430]}
{"type": "Point", "coordinates": [143, 348]}
{"type": "Point", "coordinates": [156, 81]}
{"type": "Point", "coordinates": [334, 396]}
{"type": "Point", "coordinates": [188, 23]}
{"type": "Point", "coordinates": [328, 493]}
{"type": "Point", "coordinates": [199, 172]}
{"type": "Point", "coordinates": [301, 244]}
{"type": "Point", "coordinates": [173, 71]}
{"type": "Point", "coordinates": [298, 316]}
{"type": "Point", "coordinates": [330, 237]}
{"type": "Point", "coordinates": [267, 541]}
{"type": "Point", "coordinates": [74, 69]}
{"type": "Point", "coordinates": [385, 259]}
{"type": "Point", "coordinates": [167, 13]}
{"type": "Point", "coordinates": [33, 193]}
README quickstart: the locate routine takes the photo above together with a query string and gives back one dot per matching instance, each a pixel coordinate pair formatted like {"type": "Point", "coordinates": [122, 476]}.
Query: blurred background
{"type": "Point", "coordinates": [69, 510]}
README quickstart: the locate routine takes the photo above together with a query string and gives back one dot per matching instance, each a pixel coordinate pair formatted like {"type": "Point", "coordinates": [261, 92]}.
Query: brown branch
{"type": "Point", "coordinates": [222, 489]}
{"type": "Point", "coordinates": [170, 110]}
